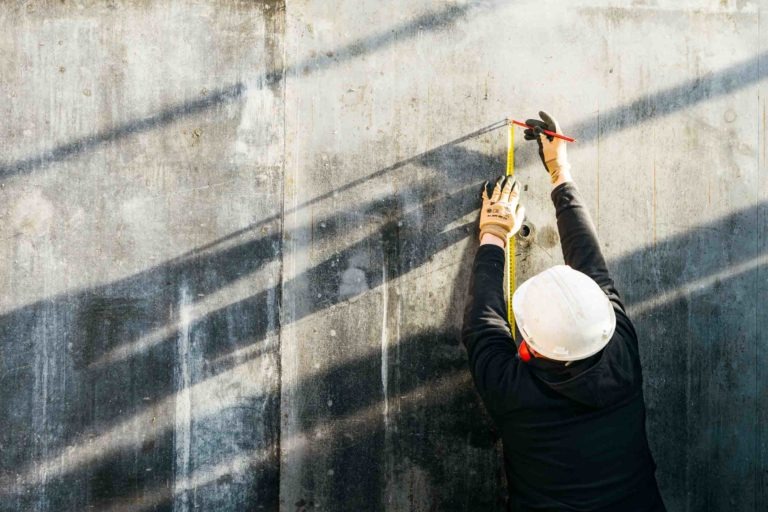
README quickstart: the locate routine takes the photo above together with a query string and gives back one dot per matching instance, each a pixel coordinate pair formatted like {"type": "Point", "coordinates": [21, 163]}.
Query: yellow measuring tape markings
{"type": "Point", "coordinates": [511, 239]}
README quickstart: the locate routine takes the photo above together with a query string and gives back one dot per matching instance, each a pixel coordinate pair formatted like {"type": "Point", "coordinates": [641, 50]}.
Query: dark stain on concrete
{"type": "Point", "coordinates": [548, 237]}
{"type": "Point", "coordinates": [273, 14]}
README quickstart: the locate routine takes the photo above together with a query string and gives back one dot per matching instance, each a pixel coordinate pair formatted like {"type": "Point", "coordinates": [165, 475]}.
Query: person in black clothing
{"type": "Point", "coordinates": [569, 400]}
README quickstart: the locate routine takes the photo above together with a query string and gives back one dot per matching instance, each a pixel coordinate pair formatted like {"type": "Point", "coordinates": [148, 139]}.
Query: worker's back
{"type": "Point", "coordinates": [575, 436]}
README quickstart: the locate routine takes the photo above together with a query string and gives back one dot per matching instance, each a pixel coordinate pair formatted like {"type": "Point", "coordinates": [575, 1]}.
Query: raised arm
{"type": "Point", "coordinates": [578, 237]}
{"type": "Point", "coordinates": [486, 333]}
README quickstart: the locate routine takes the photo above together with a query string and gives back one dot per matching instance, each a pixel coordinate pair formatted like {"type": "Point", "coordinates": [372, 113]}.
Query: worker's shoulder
{"type": "Point", "coordinates": [623, 349]}
{"type": "Point", "coordinates": [623, 322]}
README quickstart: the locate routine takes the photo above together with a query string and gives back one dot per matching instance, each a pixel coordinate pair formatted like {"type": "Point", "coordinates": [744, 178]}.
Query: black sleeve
{"type": "Point", "coordinates": [492, 353]}
{"type": "Point", "coordinates": [581, 251]}
{"type": "Point", "coordinates": [578, 238]}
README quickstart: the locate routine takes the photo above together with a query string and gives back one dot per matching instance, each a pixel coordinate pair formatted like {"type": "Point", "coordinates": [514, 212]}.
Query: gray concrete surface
{"type": "Point", "coordinates": [235, 240]}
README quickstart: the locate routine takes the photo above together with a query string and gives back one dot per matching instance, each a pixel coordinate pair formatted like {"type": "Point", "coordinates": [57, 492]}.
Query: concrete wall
{"type": "Point", "coordinates": [235, 239]}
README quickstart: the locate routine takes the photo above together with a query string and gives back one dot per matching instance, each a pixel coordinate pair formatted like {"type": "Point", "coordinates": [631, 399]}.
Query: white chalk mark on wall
{"type": "Point", "coordinates": [40, 409]}
{"type": "Point", "coordinates": [384, 345]}
{"type": "Point", "coordinates": [183, 424]}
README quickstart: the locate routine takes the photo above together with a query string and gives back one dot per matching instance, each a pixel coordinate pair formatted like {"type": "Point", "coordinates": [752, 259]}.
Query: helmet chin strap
{"type": "Point", "coordinates": [523, 353]}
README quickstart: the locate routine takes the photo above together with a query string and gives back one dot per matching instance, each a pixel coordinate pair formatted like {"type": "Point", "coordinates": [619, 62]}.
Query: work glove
{"type": "Point", "coordinates": [501, 214]}
{"type": "Point", "coordinates": [552, 150]}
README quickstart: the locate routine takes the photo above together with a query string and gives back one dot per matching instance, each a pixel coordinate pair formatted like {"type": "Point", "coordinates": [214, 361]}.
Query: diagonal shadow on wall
{"type": "Point", "coordinates": [429, 434]}
{"type": "Point", "coordinates": [436, 20]}
{"type": "Point", "coordinates": [97, 319]}
{"type": "Point", "coordinates": [683, 259]}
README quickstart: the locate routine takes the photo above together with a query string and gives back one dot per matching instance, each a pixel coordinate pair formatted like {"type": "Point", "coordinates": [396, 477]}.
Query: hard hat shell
{"type": "Point", "coordinates": [563, 314]}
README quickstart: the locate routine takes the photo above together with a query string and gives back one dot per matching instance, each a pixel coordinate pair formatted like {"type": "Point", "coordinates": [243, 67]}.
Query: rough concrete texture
{"type": "Point", "coordinates": [235, 239]}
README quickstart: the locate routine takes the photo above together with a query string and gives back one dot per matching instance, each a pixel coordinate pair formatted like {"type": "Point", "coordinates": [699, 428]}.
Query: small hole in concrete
{"type": "Point", "coordinates": [527, 233]}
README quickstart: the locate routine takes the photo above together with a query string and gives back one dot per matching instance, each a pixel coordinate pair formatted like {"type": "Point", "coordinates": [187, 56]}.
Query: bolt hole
{"type": "Point", "coordinates": [527, 233]}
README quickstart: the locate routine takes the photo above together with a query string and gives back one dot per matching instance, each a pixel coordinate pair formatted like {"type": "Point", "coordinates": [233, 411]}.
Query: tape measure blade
{"type": "Point", "coordinates": [511, 241]}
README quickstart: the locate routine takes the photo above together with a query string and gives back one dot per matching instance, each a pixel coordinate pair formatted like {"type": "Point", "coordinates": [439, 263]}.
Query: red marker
{"type": "Point", "coordinates": [551, 134]}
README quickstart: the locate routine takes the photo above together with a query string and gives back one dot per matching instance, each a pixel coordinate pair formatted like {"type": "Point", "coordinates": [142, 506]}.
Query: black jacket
{"type": "Point", "coordinates": [574, 436]}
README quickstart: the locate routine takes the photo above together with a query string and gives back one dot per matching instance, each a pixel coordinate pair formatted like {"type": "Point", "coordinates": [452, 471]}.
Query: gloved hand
{"type": "Point", "coordinates": [501, 214]}
{"type": "Point", "coordinates": [552, 150]}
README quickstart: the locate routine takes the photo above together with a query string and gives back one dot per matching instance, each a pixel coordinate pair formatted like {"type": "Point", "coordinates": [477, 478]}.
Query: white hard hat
{"type": "Point", "coordinates": [563, 314]}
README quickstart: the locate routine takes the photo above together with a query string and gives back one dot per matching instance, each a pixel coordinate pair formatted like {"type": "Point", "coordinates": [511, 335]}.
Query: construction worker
{"type": "Point", "coordinates": [569, 400]}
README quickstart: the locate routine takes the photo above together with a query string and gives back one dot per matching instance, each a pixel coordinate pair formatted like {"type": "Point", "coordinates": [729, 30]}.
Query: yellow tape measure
{"type": "Point", "coordinates": [511, 239]}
